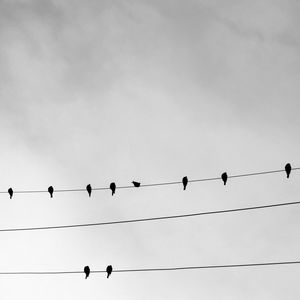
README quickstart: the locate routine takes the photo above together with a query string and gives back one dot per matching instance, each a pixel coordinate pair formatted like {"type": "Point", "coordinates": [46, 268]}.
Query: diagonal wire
{"type": "Point", "coordinates": [150, 184]}
{"type": "Point", "coordinates": [164, 269]}
{"type": "Point", "coordinates": [233, 210]}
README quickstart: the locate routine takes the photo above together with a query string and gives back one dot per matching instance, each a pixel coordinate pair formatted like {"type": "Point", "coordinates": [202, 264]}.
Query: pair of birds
{"type": "Point", "coordinates": [112, 186]}
{"type": "Point", "coordinates": [185, 180]}
{"type": "Point", "coordinates": [224, 176]}
{"type": "Point", "coordinates": [11, 192]}
{"type": "Point", "coordinates": [87, 271]}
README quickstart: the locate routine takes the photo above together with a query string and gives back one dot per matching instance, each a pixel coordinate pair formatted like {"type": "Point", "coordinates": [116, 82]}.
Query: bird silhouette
{"type": "Point", "coordinates": [136, 184]}
{"type": "Point", "coordinates": [89, 189]}
{"type": "Point", "coordinates": [109, 270]}
{"type": "Point", "coordinates": [113, 188]}
{"type": "Point", "coordinates": [184, 182]}
{"type": "Point", "coordinates": [288, 169]}
{"type": "Point", "coordinates": [10, 192]}
{"type": "Point", "coordinates": [51, 190]}
{"type": "Point", "coordinates": [87, 271]}
{"type": "Point", "coordinates": [224, 177]}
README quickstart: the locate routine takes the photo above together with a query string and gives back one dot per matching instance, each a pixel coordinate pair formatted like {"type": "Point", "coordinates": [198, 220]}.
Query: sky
{"type": "Point", "coordinates": [98, 91]}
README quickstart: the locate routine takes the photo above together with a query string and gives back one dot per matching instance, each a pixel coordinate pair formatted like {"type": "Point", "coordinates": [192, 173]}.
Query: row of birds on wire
{"type": "Point", "coordinates": [87, 271]}
{"type": "Point", "coordinates": [137, 184]}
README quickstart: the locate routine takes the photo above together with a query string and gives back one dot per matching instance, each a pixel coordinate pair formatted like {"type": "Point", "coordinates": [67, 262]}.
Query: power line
{"type": "Point", "coordinates": [154, 218]}
{"type": "Point", "coordinates": [245, 265]}
{"type": "Point", "coordinates": [150, 184]}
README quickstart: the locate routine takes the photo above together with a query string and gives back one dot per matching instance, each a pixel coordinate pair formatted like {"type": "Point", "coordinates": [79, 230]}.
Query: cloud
{"type": "Point", "coordinates": [101, 91]}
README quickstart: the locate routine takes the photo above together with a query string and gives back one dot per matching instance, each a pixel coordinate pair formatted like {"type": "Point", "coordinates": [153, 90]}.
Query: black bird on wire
{"type": "Point", "coordinates": [224, 177]}
{"type": "Point", "coordinates": [113, 188]}
{"type": "Point", "coordinates": [10, 192]}
{"type": "Point", "coordinates": [184, 182]}
{"type": "Point", "coordinates": [109, 270]}
{"type": "Point", "coordinates": [87, 271]}
{"type": "Point", "coordinates": [288, 169]}
{"type": "Point", "coordinates": [89, 189]}
{"type": "Point", "coordinates": [136, 184]}
{"type": "Point", "coordinates": [51, 190]}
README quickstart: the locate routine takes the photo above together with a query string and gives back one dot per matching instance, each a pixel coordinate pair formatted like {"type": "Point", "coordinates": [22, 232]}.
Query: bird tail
{"type": "Point", "coordinates": [288, 175]}
{"type": "Point", "coordinates": [112, 193]}
{"type": "Point", "coordinates": [107, 275]}
{"type": "Point", "coordinates": [184, 187]}
{"type": "Point", "coordinates": [10, 197]}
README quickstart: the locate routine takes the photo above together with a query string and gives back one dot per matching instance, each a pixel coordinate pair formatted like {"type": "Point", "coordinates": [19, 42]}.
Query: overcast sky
{"type": "Point", "coordinates": [102, 91]}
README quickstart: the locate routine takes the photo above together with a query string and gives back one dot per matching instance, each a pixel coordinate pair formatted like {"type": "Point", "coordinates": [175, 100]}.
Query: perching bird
{"type": "Point", "coordinates": [10, 192]}
{"type": "Point", "coordinates": [109, 270]}
{"type": "Point", "coordinates": [184, 182]}
{"type": "Point", "coordinates": [51, 190]}
{"type": "Point", "coordinates": [224, 177]}
{"type": "Point", "coordinates": [288, 169]}
{"type": "Point", "coordinates": [89, 189]}
{"type": "Point", "coordinates": [113, 188]}
{"type": "Point", "coordinates": [87, 271]}
{"type": "Point", "coordinates": [136, 184]}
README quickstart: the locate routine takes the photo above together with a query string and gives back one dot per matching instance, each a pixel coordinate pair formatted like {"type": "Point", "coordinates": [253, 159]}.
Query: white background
{"type": "Point", "coordinates": [102, 91]}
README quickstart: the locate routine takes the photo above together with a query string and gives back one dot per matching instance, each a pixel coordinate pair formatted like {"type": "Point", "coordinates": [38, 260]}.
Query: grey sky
{"type": "Point", "coordinates": [102, 91]}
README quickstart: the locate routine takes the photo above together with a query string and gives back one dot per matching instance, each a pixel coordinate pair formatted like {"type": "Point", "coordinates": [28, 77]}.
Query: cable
{"type": "Point", "coordinates": [149, 184]}
{"type": "Point", "coordinates": [154, 218]}
{"type": "Point", "coordinates": [263, 264]}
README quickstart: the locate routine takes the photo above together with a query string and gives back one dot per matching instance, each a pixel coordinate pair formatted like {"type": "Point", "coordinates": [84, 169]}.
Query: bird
{"type": "Point", "coordinates": [51, 190]}
{"type": "Point", "coordinates": [224, 177]}
{"type": "Point", "coordinates": [184, 182]}
{"type": "Point", "coordinates": [87, 271]}
{"type": "Point", "coordinates": [10, 192]}
{"type": "Point", "coordinates": [136, 184]}
{"type": "Point", "coordinates": [109, 270]}
{"type": "Point", "coordinates": [113, 188]}
{"type": "Point", "coordinates": [89, 189]}
{"type": "Point", "coordinates": [288, 169]}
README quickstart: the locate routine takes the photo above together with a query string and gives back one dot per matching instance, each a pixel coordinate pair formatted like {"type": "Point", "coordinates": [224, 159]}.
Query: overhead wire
{"type": "Point", "coordinates": [163, 269]}
{"type": "Point", "coordinates": [150, 184]}
{"type": "Point", "coordinates": [263, 264]}
{"type": "Point", "coordinates": [233, 210]}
